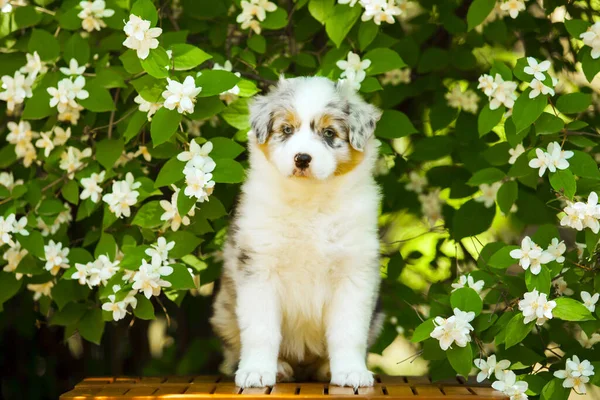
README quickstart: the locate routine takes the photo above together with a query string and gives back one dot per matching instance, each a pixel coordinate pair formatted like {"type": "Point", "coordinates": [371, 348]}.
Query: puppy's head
{"type": "Point", "coordinates": [312, 127]}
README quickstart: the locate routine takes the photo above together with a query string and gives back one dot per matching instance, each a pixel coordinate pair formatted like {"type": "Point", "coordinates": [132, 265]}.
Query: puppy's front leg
{"type": "Point", "coordinates": [347, 332]}
{"type": "Point", "coordinates": [259, 320]}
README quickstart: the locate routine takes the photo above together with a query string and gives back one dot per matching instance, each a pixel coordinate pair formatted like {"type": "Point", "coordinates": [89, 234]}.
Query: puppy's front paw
{"type": "Point", "coordinates": [355, 379]}
{"type": "Point", "coordinates": [254, 377]}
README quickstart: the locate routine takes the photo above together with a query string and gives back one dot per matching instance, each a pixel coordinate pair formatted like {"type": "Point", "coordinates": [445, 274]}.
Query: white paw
{"type": "Point", "coordinates": [355, 379]}
{"type": "Point", "coordinates": [285, 372]}
{"type": "Point", "coordinates": [251, 377]}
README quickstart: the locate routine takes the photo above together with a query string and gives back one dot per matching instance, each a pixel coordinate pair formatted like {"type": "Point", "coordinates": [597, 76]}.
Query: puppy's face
{"type": "Point", "coordinates": [312, 128]}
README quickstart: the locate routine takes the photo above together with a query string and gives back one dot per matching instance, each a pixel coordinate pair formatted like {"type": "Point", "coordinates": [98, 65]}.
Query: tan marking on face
{"type": "Point", "coordinates": [356, 157]}
{"type": "Point", "coordinates": [285, 117]}
{"type": "Point", "coordinates": [329, 121]}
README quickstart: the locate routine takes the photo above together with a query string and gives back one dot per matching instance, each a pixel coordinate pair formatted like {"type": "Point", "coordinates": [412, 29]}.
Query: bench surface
{"type": "Point", "coordinates": [216, 387]}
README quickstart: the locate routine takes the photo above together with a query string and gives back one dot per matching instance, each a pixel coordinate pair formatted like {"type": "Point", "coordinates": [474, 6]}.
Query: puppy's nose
{"type": "Point", "coordinates": [302, 160]}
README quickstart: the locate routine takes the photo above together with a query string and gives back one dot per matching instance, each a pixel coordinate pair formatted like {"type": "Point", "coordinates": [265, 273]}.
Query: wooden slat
{"type": "Point", "coordinates": [399, 390]}
{"type": "Point", "coordinates": [197, 388]}
{"type": "Point", "coordinates": [487, 393]}
{"type": "Point", "coordinates": [312, 388]}
{"type": "Point", "coordinates": [206, 379]}
{"type": "Point", "coordinates": [256, 391]}
{"type": "Point", "coordinates": [418, 380]}
{"type": "Point", "coordinates": [393, 380]}
{"type": "Point", "coordinates": [376, 390]}
{"type": "Point", "coordinates": [456, 391]}
{"type": "Point", "coordinates": [142, 390]}
{"type": "Point", "coordinates": [168, 389]}
{"type": "Point", "coordinates": [227, 388]}
{"type": "Point", "coordinates": [428, 391]}
{"type": "Point", "coordinates": [338, 390]}
{"type": "Point", "coordinates": [284, 389]}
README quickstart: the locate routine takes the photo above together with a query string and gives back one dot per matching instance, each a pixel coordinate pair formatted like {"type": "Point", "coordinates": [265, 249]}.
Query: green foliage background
{"type": "Point", "coordinates": [443, 43]}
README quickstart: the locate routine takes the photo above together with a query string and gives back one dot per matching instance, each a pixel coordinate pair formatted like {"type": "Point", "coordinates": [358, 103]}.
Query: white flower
{"type": "Point", "coordinates": [467, 280]}
{"type": "Point", "coordinates": [380, 10]}
{"type": "Point", "coordinates": [198, 184]}
{"type": "Point", "coordinates": [181, 95]}
{"type": "Point", "coordinates": [455, 329]}
{"type": "Point", "coordinates": [7, 227]}
{"type": "Point", "coordinates": [515, 153]}
{"type": "Point", "coordinates": [71, 160]}
{"type": "Point", "coordinates": [576, 374]}
{"type": "Point", "coordinates": [591, 38]}
{"type": "Point", "coordinates": [41, 289]}
{"type": "Point", "coordinates": [552, 159]}
{"type": "Point", "coordinates": [351, 3]}
{"type": "Point", "coordinates": [580, 249]}
{"type": "Point", "coordinates": [588, 342]}
{"type": "Point", "coordinates": [353, 68]}
{"type": "Point", "coordinates": [489, 367]}
{"type": "Point", "coordinates": [466, 100]}
{"type": "Point", "coordinates": [56, 257]}
{"type": "Point", "coordinates": [431, 205]}
{"type": "Point", "coordinates": [590, 301]}
{"type": "Point", "coordinates": [92, 15]}
{"type": "Point", "coordinates": [535, 306]}
{"type": "Point", "coordinates": [161, 250]}
{"type": "Point", "coordinates": [34, 65]}
{"type": "Point", "coordinates": [147, 107]}
{"type": "Point", "coordinates": [147, 279]}
{"type": "Point", "coordinates": [20, 226]}
{"type": "Point", "coordinates": [143, 151]}
{"type": "Point", "coordinates": [581, 215]}
{"type": "Point", "coordinates": [116, 307]}
{"type": "Point", "coordinates": [396, 77]}
{"type": "Point", "coordinates": [140, 37]}
{"type": "Point", "coordinates": [74, 68]}
{"type": "Point", "coordinates": [254, 12]}
{"type": "Point", "coordinates": [91, 187]}
{"type": "Point", "coordinates": [16, 90]}
{"type": "Point", "coordinates": [503, 93]}
{"type": "Point", "coordinates": [8, 180]}
{"type": "Point", "coordinates": [13, 257]}
{"type": "Point", "coordinates": [487, 84]}
{"type": "Point", "coordinates": [556, 249]}
{"type": "Point", "coordinates": [488, 194]}
{"type": "Point", "coordinates": [508, 385]}
{"type": "Point", "coordinates": [513, 7]}
{"type": "Point", "coordinates": [171, 213]}
{"type": "Point", "coordinates": [123, 196]}
{"type": "Point", "coordinates": [416, 182]}
{"type": "Point", "coordinates": [45, 142]}
{"type": "Point", "coordinates": [530, 256]}
{"type": "Point", "coordinates": [538, 87]}
{"type": "Point", "coordinates": [537, 69]}
{"type": "Point", "coordinates": [5, 6]}
{"type": "Point", "coordinates": [83, 271]}
{"type": "Point", "coordinates": [21, 136]}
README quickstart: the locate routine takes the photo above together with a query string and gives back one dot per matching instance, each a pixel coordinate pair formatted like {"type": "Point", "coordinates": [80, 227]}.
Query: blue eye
{"type": "Point", "coordinates": [288, 130]}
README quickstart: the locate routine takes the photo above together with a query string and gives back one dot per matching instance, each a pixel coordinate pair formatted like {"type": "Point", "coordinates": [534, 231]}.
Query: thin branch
{"type": "Point", "coordinates": [112, 113]}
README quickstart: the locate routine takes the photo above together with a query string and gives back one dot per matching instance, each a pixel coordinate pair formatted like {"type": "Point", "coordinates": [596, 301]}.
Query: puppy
{"type": "Point", "coordinates": [301, 264]}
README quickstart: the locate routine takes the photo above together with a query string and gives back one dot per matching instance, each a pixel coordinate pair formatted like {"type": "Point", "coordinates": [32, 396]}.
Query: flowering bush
{"type": "Point", "coordinates": [125, 123]}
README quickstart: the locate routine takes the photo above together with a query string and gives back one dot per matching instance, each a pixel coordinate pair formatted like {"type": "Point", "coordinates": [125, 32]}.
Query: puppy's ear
{"type": "Point", "coordinates": [362, 116]}
{"type": "Point", "coordinates": [260, 118]}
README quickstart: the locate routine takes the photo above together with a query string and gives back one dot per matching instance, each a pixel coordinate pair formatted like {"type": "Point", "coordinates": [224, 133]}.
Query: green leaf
{"type": "Point", "coordinates": [133, 257]}
{"type": "Point", "coordinates": [228, 171]}
{"type": "Point", "coordinates": [370, 85]}
{"type": "Point", "coordinates": [214, 82]}
{"type": "Point", "coordinates": [70, 314]}
{"type": "Point", "coordinates": [554, 390]}
{"type": "Point", "coordinates": [186, 56]}
{"type": "Point", "coordinates": [275, 20]}
{"type": "Point", "coordinates": [164, 125]}
{"type": "Point", "coordinates": [516, 330]}
{"type": "Point", "coordinates": [583, 165]}
{"type": "Point", "coordinates": [99, 99]}
{"type": "Point", "coordinates": [70, 192]}
{"type": "Point", "coordinates": [461, 359]}
{"type": "Point", "coordinates": [432, 148]}
{"type": "Point", "coordinates": [29, 265]}
{"type": "Point", "coordinates": [571, 310]}
{"type": "Point", "coordinates": [486, 175]}
{"type": "Point", "coordinates": [590, 66]}
{"type": "Point", "coordinates": [108, 152]}
{"type": "Point", "coordinates": [394, 124]}
{"type": "Point", "coordinates": [383, 60]}
{"type": "Point", "coordinates": [423, 331]}
{"type": "Point", "coordinates": [340, 21]}
{"type": "Point", "coordinates": [213, 209]}
{"type": "Point", "coordinates": [180, 278]}
{"type": "Point", "coordinates": [9, 286]}
{"type": "Point", "coordinates": [144, 308]}
{"type": "Point", "coordinates": [574, 103]}
{"type": "Point", "coordinates": [488, 119]}
{"type": "Point", "coordinates": [225, 148]}
{"type": "Point", "coordinates": [185, 242]}
{"type": "Point", "coordinates": [34, 243]}
{"type": "Point", "coordinates": [145, 9]}
{"type": "Point", "coordinates": [563, 181]}
{"type": "Point", "coordinates": [107, 245]}
{"type": "Point", "coordinates": [26, 16]}
{"type": "Point", "coordinates": [547, 124]}
{"type": "Point", "coordinates": [471, 219]}
{"type": "Point", "coordinates": [45, 44]}
{"type": "Point", "coordinates": [501, 259]}
{"type": "Point", "coordinates": [134, 126]}
{"type": "Point", "coordinates": [207, 107]}
{"type": "Point", "coordinates": [258, 44]}
{"type": "Point", "coordinates": [236, 114]}
{"type": "Point", "coordinates": [507, 196]}
{"type": "Point", "coordinates": [91, 326]}
{"type": "Point", "coordinates": [184, 203]}
{"type": "Point", "coordinates": [478, 12]}
{"type": "Point", "coordinates": [149, 215]}
{"type": "Point", "coordinates": [321, 9]}
{"type": "Point", "coordinates": [157, 63]}
{"type": "Point", "coordinates": [466, 299]}
{"type": "Point", "coordinates": [131, 62]}
{"type": "Point", "coordinates": [171, 172]}
{"type": "Point", "coordinates": [527, 110]}
{"type": "Point", "coordinates": [38, 106]}
{"type": "Point", "coordinates": [77, 48]}
{"type": "Point", "coordinates": [367, 31]}
{"type": "Point", "coordinates": [576, 27]}
{"type": "Point", "coordinates": [541, 281]}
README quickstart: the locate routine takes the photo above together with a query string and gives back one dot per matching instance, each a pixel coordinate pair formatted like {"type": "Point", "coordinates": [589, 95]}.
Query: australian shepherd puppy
{"type": "Point", "coordinates": [301, 270]}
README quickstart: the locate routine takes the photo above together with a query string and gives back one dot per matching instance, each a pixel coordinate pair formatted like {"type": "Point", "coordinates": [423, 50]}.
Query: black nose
{"type": "Point", "coordinates": [302, 160]}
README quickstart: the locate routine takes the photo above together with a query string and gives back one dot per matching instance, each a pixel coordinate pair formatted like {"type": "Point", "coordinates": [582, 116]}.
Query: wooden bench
{"type": "Point", "coordinates": [215, 387]}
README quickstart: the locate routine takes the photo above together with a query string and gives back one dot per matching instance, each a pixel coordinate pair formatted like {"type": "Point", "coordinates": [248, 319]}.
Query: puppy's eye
{"type": "Point", "coordinates": [328, 133]}
{"type": "Point", "coordinates": [288, 130]}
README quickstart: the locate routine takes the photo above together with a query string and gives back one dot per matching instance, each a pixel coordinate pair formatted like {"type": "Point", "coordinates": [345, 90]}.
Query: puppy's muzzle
{"type": "Point", "coordinates": [302, 160]}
